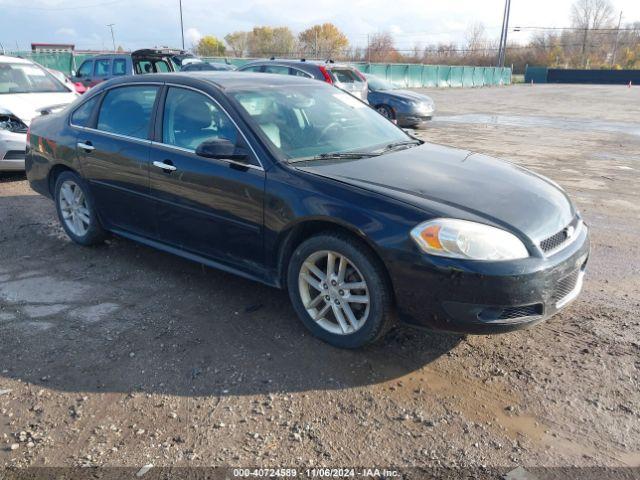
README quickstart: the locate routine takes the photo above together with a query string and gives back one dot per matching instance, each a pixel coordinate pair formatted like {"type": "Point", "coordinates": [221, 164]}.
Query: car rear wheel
{"type": "Point", "coordinates": [75, 210]}
{"type": "Point", "coordinates": [385, 111]}
{"type": "Point", "coordinates": [340, 291]}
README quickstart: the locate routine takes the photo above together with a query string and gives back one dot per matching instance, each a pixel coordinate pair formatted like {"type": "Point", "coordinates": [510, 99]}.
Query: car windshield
{"type": "Point", "coordinates": [305, 121]}
{"type": "Point", "coordinates": [377, 83]}
{"type": "Point", "coordinates": [27, 78]}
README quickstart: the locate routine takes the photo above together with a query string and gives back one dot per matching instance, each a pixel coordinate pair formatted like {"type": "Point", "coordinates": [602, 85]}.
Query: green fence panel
{"type": "Point", "coordinates": [430, 76]}
{"type": "Point", "coordinates": [414, 76]}
{"type": "Point", "coordinates": [506, 76]}
{"type": "Point", "coordinates": [467, 76]}
{"type": "Point", "coordinates": [443, 75]}
{"type": "Point", "coordinates": [378, 69]}
{"type": "Point", "coordinates": [478, 76]}
{"type": "Point", "coordinates": [487, 74]}
{"type": "Point", "coordinates": [397, 74]}
{"type": "Point", "coordinates": [455, 76]}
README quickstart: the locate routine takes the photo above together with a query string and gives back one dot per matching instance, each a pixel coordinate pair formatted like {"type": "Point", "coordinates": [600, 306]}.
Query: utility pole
{"type": "Point", "coordinates": [181, 25]}
{"type": "Point", "coordinates": [615, 45]}
{"type": "Point", "coordinates": [506, 31]}
{"type": "Point", "coordinates": [503, 34]}
{"type": "Point", "coordinates": [113, 38]}
{"type": "Point", "coordinates": [317, 58]}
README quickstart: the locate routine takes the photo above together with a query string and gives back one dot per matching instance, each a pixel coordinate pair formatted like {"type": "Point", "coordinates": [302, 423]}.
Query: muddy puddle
{"type": "Point", "coordinates": [543, 122]}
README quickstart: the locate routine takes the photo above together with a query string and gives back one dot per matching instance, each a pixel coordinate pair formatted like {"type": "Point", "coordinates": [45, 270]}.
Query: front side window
{"type": "Point", "coordinates": [127, 110]}
{"type": "Point", "coordinates": [307, 120]}
{"type": "Point", "coordinates": [190, 118]}
{"type": "Point", "coordinates": [119, 66]}
{"type": "Point", "coordinates": [82, 116]}
{"type": "Point", "coordinates": [102, 67]}
{"type": "Point", "coordinates": [27, 78]}
{"type": "Point", "coordinates": [85, 69]}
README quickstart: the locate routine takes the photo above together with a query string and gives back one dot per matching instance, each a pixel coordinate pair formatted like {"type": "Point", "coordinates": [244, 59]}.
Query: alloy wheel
{"type": "Point", "coordinates": [334, 292]}
{"type": "Point", "coordinates": [74, 208]}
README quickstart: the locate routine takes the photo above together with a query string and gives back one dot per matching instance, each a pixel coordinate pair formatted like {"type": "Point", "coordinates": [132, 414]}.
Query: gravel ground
{"type": "Point", "coordinates": [125, 356]}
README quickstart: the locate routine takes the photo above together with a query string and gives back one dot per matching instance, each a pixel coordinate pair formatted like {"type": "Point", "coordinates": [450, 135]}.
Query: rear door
{"type": "Point", "coordinates": [114, 157]}
{"type": "Point", "coordinates": [85, 73]}
{"type": "Point", "coordinates": [101, 70]}
{"type": "Point", "coordinates": [210, 207]}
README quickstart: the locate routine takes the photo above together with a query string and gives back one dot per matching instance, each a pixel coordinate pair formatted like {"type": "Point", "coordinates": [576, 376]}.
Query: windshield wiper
{"type": "Point", "coordinates": [338, 155]}
{"type": "Point", "coordinates": [402, 143]}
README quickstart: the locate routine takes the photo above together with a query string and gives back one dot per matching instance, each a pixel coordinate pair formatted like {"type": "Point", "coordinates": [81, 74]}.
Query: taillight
{"type": "Point", "coordinates": [28, 135]}
{"type": "Point", "coordinates": [325, 74]}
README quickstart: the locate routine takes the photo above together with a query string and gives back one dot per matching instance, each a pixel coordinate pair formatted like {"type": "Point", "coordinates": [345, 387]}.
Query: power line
{"type": "Point", "coordinates": [77, 7]}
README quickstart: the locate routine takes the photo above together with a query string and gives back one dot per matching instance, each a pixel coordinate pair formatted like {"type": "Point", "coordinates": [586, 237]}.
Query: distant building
{"type": "Point", "coordinates": [52, 47]}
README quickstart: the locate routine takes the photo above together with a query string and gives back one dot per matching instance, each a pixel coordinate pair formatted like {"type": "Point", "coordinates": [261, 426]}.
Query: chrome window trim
{"type": "Point", "coordinates": [145, 141]}
{"type": "Point", "coordinates": [259, 166]}
{"type": "Point", "coordinates": [193, 152]}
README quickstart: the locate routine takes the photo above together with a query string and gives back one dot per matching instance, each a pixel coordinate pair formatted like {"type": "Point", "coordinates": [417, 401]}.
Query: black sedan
{"type": "Point", "coordinates": [407, 108]}
{"type": "Point", "coordinates": [295, 184]}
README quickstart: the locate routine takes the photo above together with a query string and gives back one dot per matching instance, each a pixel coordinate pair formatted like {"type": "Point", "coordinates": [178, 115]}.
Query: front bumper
{"type": "Point", "coordinates": [489, 297]}
{"type": "Point", "coordinates": [12, 151]}
{"type": "Point", "coordinates": [413, 119]}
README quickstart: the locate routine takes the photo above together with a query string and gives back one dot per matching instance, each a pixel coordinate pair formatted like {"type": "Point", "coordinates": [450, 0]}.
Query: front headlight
{"type": "Point", "coordinates": [11, 123]}
{"type": "Point", "coordinates": [449, 237]}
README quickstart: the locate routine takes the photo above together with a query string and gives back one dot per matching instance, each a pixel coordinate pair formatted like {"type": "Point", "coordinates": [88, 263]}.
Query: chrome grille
{"type": "Point", "coordinates": [560, 238]}
{"type": "Point", "coordinates": [565, 286]}
{"type": "Point", "coordinates": [554, 241]}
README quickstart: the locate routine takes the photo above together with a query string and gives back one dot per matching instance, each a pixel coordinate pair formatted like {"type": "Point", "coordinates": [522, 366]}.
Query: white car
{"type": "Point", "coordinates": [25, 90]}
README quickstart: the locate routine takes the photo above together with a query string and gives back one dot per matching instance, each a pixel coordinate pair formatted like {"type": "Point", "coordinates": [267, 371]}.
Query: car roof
{"type": "Point", "coordinates": [222, 79]}
{"type": "Point", "coordinates": [299, 62]}
{"type": "Point", "coordinates": [8, 59]}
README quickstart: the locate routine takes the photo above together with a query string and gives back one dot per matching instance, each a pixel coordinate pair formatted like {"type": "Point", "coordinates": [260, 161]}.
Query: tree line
{"type": "Point", "coordinates": [596, 39]}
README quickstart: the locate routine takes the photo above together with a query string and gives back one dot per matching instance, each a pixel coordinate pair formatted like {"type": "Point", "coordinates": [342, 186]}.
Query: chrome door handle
{"type": "Point", "coordinates": [164, 166]}
{"type": "Point", "coordinates": [86, 146]}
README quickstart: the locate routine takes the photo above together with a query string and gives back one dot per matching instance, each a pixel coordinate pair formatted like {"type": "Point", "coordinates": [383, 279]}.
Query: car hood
{"type": "Point", "coordinates": [447, 181]}
{"type": "Point", "coordinates": [407, 95]}
{"type": "Point", "coordinates": [26, 106]}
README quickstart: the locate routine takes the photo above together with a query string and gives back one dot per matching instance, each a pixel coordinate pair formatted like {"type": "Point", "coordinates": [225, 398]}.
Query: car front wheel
{"type": "Point", "coordinates": [340, 291]}
{"type": "Point", "coordinates": [76, 211]}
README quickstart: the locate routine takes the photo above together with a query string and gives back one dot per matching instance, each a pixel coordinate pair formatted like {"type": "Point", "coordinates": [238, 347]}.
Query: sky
{"type": "Point", "coordinates": [148, 23]}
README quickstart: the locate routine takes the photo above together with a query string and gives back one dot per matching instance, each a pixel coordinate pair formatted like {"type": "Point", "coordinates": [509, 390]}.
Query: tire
{"type": "Point", "coordinates": [77, 211]}
{"type": "Point", "coordinates": [368, 322]}
{"type": "Point", "coordinates": [385, 111]}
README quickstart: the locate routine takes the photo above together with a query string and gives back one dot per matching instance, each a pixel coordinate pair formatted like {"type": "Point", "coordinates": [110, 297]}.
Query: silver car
{"type": "Point", "coordinates": [343, 76]}
{"type": "Point", "coordinates": [25, 90]}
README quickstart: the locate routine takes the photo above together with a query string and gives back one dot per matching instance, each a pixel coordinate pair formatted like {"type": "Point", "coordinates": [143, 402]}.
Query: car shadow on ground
{"type": "Point", "coordinates": [123, 317]}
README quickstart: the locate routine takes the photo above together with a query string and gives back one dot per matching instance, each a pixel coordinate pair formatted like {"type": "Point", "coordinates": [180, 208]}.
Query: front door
{"type": "Point", "coordinates": [210, 207]}
{"type": "Point", "coordinates": [114, 158]}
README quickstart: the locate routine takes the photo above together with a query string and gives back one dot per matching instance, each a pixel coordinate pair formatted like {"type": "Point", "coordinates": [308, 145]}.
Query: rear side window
{"type": "Point", "coordinates": [127, 110]}
{"type": "Point", "coordinates": [276, 69]}
{"type": "Point", "coordinates": [102, 67]}
{"type": "Point", "coordinates": [255, 68]}
{"type": "Point", "coordinates": [85, 69]}
{"type": "Point", "coordinates": [300, 73]}
{"type": "Point", "coordinates": [119, 66]}
{"type": "Point", "coordinates": [344, 75]}
{"type": "Point", "coordinates": [82, 116]}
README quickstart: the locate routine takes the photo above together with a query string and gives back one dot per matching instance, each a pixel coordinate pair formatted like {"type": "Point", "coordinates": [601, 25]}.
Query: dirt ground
{"type": "Point", "coordinates": [125, 356]}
